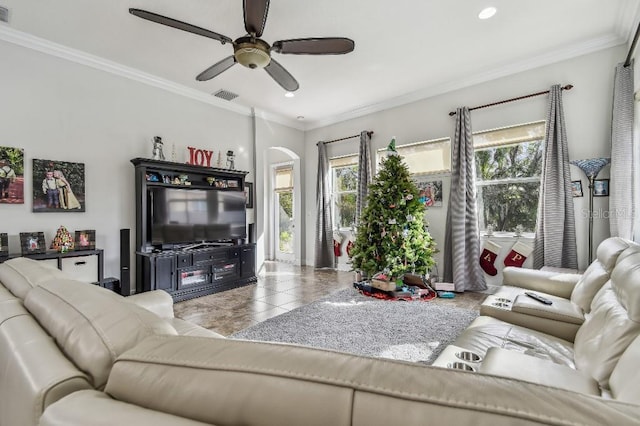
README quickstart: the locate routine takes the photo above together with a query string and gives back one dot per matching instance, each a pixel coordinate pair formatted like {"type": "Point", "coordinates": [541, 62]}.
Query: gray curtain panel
{"type": "Point", "coordinates": [461, 242]}
{"type": "Point", "coordinates": [555, 241]}
{"type": "Point", "coordinates": [324, 225]}
{"type": "Point", "coordinates": [364, 173]}
{"type": "Point", "coordinates": [621, 188]}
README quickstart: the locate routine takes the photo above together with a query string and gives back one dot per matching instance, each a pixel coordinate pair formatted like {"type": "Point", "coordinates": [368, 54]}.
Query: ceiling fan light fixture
{"type": "Point", "coordinates": [289, 95]}
{"type": "Point", "coordinates": [252, 53]}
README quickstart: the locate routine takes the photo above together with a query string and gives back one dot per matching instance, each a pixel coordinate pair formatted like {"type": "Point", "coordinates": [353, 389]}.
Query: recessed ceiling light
{"type": "Point", "coordinates": [289, 95]}
{"type": "Point", "coordinates": [487, 12]}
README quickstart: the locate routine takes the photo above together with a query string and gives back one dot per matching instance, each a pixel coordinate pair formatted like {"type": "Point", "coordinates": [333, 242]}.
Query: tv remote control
{"type": "Point", "coordinates": [538, 298]}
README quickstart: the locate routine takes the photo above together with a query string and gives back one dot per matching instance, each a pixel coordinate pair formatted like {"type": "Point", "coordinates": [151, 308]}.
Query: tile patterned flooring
{"type": "Point", "coordinates": [280, 288]}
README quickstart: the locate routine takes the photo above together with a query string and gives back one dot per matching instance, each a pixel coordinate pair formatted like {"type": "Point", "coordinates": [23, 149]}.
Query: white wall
{"type": "Point", "coordinates": [276, 143]}
{"type": "Point", "coordinates": [59, 110]}
{"type": "Point", "coordinates": [587, 110]}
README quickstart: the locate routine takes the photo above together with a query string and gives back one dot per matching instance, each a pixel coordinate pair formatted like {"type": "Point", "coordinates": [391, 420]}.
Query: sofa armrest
{"type": "Point", "coordinates": [516, 365]}
{"type": "Point", "coordinates": [556, 284]}
{"type": "Point", "coordinates": [157, 301]}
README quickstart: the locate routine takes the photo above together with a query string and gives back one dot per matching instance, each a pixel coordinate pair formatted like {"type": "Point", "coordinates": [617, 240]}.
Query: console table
{"type": "Point", "coordinates": [82, 265]}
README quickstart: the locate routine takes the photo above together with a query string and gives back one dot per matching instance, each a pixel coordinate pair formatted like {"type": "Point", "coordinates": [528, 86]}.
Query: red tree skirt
{"type": "Point", "coordinates": [390, 295]}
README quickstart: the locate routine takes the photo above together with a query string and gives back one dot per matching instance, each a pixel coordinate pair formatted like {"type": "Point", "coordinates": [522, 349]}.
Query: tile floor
{"type": "Point", "coordinates": [280, 288]}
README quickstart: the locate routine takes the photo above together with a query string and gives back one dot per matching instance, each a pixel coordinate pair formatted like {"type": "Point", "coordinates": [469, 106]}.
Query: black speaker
{"type": "Point", "coordinates": [252, 233]}
{"type": "Point", "coordinates": [125, 262]}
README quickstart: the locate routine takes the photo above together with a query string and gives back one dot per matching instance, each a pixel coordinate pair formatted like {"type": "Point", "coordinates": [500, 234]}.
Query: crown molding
{"type": "Point", "coordinates": [29, 41]}
{"type": "Point", "coordinates": [276, 118]}
{"type": "Point", "coordinates": [558, 55]}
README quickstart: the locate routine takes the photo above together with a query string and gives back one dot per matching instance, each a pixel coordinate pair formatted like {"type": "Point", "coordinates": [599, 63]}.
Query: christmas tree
{"type": "Point", "coordinates": [391, 236]}
{"type": "Point", "coordinates": [63, 241]}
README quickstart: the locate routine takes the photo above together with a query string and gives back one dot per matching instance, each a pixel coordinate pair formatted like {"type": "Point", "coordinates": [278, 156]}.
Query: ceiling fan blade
{"type": "Point", "coordinates": [255, 15]}
{"type": "Point", "coordinates": [282, 76]}
{"type": "Point", "coordinates": [315, 46]}
{"type": "Point", "coordinates": [216, 69]}
{"type": "Point", "coordinates": [170, 22]}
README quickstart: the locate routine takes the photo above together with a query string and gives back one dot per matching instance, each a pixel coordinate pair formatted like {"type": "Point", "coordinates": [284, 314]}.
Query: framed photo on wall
{"type": "Point", "coordinates": [248, 193]}
{"type": "Point", "coordinates": [430, 191]}
{"type": "Point", "coordinates": [11, 175]}
{"type": "Point", "coordinates": [32, 243]}
{"type": "Point", "coordinates": [85, 240]}
{"type": "Point", "coordinates": [576, 188]}
{"type": "Point", "coordinates": [601, 188]}
{"type": "Point", "coordinates": [58, 186]}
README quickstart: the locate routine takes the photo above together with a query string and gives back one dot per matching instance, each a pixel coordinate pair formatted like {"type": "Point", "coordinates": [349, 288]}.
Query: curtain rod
{"type": "Point", "coordinates": [567, 87]}
{"type": "Point", "coordinates": [633, 47]}
{"type": "Point", "coordinates": [370, 132]}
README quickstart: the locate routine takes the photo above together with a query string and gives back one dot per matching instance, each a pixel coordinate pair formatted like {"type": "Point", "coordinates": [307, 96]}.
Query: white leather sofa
{"type": "Point", "coordinates": [571, 294]}
{"type": "Point", "coordinates": [76, 354]}
{"type": "Point", "coordinates": [588, 363]}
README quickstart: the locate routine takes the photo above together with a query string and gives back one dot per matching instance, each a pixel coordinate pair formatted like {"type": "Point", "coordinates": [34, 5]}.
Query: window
{"type": "Point", "coordinates": [344, 184]}
{"type": "Point", "coordinates": [426, 157]}
{"type": "Point", "coordinates": [508, 167]}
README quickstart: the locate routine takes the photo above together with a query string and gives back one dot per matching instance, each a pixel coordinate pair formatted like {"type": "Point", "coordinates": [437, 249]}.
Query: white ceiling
{"type": "Point", "coordinates": [404, 49]}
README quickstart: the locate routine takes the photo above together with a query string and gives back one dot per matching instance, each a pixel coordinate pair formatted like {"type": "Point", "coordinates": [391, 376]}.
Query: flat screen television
{"type": "Point", "coordinates": [183, 215]}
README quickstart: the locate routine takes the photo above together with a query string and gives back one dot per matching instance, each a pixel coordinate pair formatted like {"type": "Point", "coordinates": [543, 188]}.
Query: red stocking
{"type": "Point", "coordinates": [337, 243]}
{"type": "Point", "coordinates": [349, 247]}
{"type": "Point", "coordinates": [518, 254]}
{"type": "Point", "coordinates": [337, 248]}
{"type": "Point", "coordinates": [488, 257]}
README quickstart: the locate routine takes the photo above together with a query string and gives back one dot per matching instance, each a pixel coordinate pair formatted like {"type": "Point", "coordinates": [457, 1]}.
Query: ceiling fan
{"type": "Point", "coordinates": [253, 52]}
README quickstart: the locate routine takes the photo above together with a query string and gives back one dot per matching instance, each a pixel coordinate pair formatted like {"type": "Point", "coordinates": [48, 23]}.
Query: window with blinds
{"type": "Point", "coordinates": [426, 157]}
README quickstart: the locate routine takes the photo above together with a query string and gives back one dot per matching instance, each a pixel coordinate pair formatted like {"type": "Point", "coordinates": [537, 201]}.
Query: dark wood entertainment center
{"type": "Point", "coordinates": [205, 267]}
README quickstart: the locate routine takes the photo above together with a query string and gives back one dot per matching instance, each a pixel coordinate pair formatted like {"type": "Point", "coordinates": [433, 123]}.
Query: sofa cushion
{"type": "Point", "coordinates": [586, 288]}
{"type": "Point", "coordinates": [33, 371]}
{"type": "Point", "coordinates": [506, 363]}
{"type": "Point", "coordinates": [626, 375]}
{"type": "Point", "coordinates": [21, 274]}
{"type": "Point", "coordinates": [487, 332]}
{"type": "Point", "coordinates": [609, 250]}
{"type": "Point", "coordinates": [90, 324]}
{"type": "Point", "coordinates": [613, 323]}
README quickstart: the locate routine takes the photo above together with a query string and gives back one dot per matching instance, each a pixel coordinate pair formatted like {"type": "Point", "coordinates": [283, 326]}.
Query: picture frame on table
{"type": "Point", "coordinates": [601, 188]}
{"type": "Point", "coordinates": [4, 244]}
{"type": "Point", "coordinates": [85, 240]}
{"type": "Point", "coordinates": [576, 188]}
{"type": "Point", "coordinates": [32, 243]}
{"type": "Point", "coordinates": [248, 193]}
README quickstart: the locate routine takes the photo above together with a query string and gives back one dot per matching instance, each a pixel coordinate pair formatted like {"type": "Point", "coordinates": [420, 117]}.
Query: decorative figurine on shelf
{"type": "Point", "coordinates": [211, 180]}
{"type": "Point", "coordinates": [63, 241]}
{"type": "Point", "coordinates": [219, 163]}
{"type": "Point", "coordinates": [230, 160]}
{"type": "Point", "coordinates": [157, 153]}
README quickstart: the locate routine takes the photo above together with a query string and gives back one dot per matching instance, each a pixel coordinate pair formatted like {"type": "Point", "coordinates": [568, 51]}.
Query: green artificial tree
{"type": "Point", "coordinates": [391, 236]}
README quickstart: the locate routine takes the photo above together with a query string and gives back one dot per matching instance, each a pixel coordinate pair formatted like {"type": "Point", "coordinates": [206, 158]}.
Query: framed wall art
{"type": "Point", "coordinates": [58, 186]}
{"type": "Point", "coordinates": [11, 175]}
{"type": "Point", "coordinates": [601, 188]}
{"type": "Point", "coordinates": [576, 188]}
{"type": "Point", "coordinates": [32, 243]}
{"type": "Point", "coordinates": [85, 240]}
{"type": "Point", "coordinates": [248, 193]}
{"type": "Point", "coordinates": [430, 191]}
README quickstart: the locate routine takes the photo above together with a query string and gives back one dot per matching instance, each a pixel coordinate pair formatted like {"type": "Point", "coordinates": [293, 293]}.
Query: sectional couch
{"type": "Point", "coordinates": [76, 354]}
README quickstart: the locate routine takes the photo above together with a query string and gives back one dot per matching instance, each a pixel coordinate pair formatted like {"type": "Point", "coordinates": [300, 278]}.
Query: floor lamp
{"type": "Point", "coordinates": [591, 168]}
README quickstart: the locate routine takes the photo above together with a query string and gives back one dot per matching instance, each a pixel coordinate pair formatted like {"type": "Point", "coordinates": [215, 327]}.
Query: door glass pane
{"type": "Point", "coordinates": [285, 221]}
